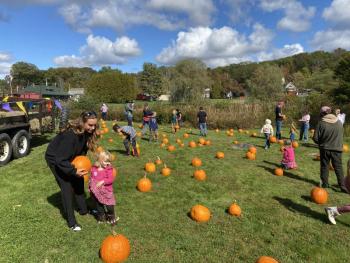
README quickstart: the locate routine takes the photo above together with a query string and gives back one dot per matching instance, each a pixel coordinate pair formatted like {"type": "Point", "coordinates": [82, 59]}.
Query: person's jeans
{"type": "Point", "coordinates": [145, 126]}
{"type": "Point", "coordinates": [267, 140]}
{"type": "Point", "coordinates": [203, 129]}
{"type": "Point", "coordinates": [278, 129]}
{"type": "Point", "coordinates": [304, 131]}
{"type": "Point", "coordinates": [129, 120]}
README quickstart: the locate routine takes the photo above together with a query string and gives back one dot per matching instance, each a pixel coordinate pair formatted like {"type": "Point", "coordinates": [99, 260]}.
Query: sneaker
{"type": "Point", "coordinates": [113, 221]}
{"type": "Point", "coordinates": [76, 228]}
{"type": "Point", "coordinates": [331, 215]}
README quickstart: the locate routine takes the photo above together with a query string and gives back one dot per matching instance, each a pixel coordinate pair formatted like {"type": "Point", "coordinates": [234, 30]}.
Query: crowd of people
{"type": "Point", "coordinates": [80, 135]}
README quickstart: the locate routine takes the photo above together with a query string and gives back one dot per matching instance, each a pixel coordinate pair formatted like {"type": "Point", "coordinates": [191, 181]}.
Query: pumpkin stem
{"type": "Point", "coordinates": [145, 176]}
{"type": "Point", "coordinates": [164, 165]}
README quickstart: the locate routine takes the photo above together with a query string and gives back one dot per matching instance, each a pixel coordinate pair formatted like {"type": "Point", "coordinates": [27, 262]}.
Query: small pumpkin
{"type": "Point", "coordinates": [254, 134]}
{"type": "Point", "coordinates": [186, 135]}
{"type": "Point", "coordinates": [82, 162]}
{"type": "Point", "coordinates": [99, 149]}
{"type": "Point", "coordinates": [200, 175]}
{"type": "Point", "coordinates": [178, 141]}
{"type": "Point", "coordinates": [115, 248]}
{"type": "Point", "coordinates": [106, 130]}
{"type": "Point", "coordinates": [166, 171]}
{"type": "Point", "coordinates": [144, 184]}
{"type": "Point", "coordinates": [295, 144]}
{"type": "Point", "coordinates": [220, 155]}
{"type": "Point", "coordinates": [273, 139]}
{"type": "Point", "coordinates": [266, 259]}
{"type": "Point", "coordinates": [113, 157]}
{"type": "Point", "coordinates": [234, 209]}
{"type": "Point", "coordinates": [240, 130]}
{"type": "Point", "coordinates": [158, 161]}
{"type": "Point", "coordinates": [150, 167]}
{"type": "Point", "coordinates": [171, 148]}
{"type": "Point", "coordinates": [140, 126]}
{"type": "Point", "coordinates": [345, 148]}
{"type": "Point", "coordinates": [235, 142]}
{"type": "Point", "coordinates": [281, 142]}
{"type": "Point", "coordinates": [200, 213]}
{"type": "Point", "coordinates": [196, 162]}
{"type": "Point", "coordinates": [165, 141]}
{"type": "Point", "coordinates": [207, 142]}
{"type": "Point", "coordinates": [278, 172]}
{"type": "Point", "coordinates": [139, 134]}
{"type": "Point", "coordinates": [110, 140]}
{"type": "Point", "coordinates": [192, 144]}
{"type": "Point", "coordinates": [250, 156]}
{"type": "Point", "coordinates": [319, 195]}
{"type": "Point", "coordinates": [252, 149]}
{"type": "Point", "coordinates": [201, 141]}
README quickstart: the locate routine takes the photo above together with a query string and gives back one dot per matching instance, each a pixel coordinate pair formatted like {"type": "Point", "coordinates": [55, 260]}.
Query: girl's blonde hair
{"type": "Point", "coordinates": [102, 156]}
{"type": "Point", "coordinates": [77, 125]}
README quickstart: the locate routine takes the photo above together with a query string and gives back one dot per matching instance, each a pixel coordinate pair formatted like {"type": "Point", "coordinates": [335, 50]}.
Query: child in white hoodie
{"type": "Point", "coordinates": [267, 130]}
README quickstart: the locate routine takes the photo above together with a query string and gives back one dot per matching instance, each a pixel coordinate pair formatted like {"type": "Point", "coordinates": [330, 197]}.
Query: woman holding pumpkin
{"type": "Point", "coordinates": [76, 139]}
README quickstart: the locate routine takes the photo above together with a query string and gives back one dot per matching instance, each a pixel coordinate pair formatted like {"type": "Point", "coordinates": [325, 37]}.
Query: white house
{"type": "Point", "coordinates": [76, 93]}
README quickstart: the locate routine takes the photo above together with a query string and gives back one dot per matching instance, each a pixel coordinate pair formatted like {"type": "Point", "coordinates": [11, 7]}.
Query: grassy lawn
{"type": "Point", "coordinates": [279, 220]}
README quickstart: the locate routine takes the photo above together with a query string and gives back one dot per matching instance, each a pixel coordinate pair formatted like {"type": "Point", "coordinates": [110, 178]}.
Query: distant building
{"type": "Point", "coordinates": [76, 93]}
{"type": "Point", "coordinates": [164, 97]}
{"type": "Point", "coordinates": [291, 89]}
{"type": "Point", "coordinates": [206, 93]}
{"type": "Point", "coordinates": [42, 91]}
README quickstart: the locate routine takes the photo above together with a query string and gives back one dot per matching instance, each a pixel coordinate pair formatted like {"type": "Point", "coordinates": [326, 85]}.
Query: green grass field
{"type": "Point", "coordinates": [279, 220]}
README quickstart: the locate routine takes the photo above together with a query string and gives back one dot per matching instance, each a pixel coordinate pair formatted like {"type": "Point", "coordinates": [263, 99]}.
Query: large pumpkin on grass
{"type": "Point", "coordinates": [200, 175]}
{"type": "Point", "coordinates": [250, 156]}
{"type": "Point", "coordinates": [196, 162]}
{"type": "Point", "coordinates": [150, 167]}
{"type": "Point", "coordinates": [144, 185]}
{"type": "Point", "coordinates": [166, 171]}
{"type": "Point", "coordinates": [82, 162]}
{"type": "Point", "coordinates": [252, 149]}
{"type": "Point", "coordinates": [201, 141]}
{"type": "Point", "coordinates": [266, 259]}
{"type": "Point", "coordinates": [200, 213]}
{"type": "Point", "coordinates": [192, 144]}
{"type": "Point", "coordinates": [319, 195]}
{"type": "Point", "coordinates": [165, 141]}
{"type": "Point", "coordinates": [115, 249]}
{"type": "Point", "coordinates": [234, 210]}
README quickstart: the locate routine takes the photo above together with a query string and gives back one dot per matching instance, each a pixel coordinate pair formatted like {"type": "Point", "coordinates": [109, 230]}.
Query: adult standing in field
{"type": "Point", "coordinates": [202, 121]}
{"type": "Point", "coordinates": [78, 137]}
{"type": "Point", "coordinates": [340, 116]}
{"type": "Point", "coordinates": [129, 109]}
{"type": "Point", "coordinates": [104, 110]}
{"type": "Point", "coordinates": [305, 125]}
{"type": "Point", "coordinates": [329, 137]}
{"type": "Point", "coordinates": [147, 114]}
{"type": "Point", "coordinates": [279, 119]}
{"type": "Point", "coordinates": [179, 117]}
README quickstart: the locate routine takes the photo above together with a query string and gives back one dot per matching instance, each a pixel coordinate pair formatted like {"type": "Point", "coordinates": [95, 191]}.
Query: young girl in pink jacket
{"type": "Point", "coordinates": [101, 188]}
{"type": "Point", "coordinates": [288, 161]}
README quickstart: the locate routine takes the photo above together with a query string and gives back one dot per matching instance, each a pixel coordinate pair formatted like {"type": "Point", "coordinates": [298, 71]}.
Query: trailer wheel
{"type": "Point", "coordinates": [5, 149]}
{"type": "Point", "coordinates": [20, 144]}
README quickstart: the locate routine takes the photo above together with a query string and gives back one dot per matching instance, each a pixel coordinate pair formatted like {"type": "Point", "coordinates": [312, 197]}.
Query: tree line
{"type": "Point", "coordinates": [325, 73]}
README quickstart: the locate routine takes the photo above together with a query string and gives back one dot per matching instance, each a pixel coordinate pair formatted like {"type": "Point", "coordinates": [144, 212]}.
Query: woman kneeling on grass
{"type": "Point", "coordinates": [76, 139]}
{"type": "Point", "coordinates": [334, 211]}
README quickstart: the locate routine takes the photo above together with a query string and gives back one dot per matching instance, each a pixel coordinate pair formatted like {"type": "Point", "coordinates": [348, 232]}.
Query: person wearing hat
{"type": "Point", "coordinates": [279, 119]}
{"type": "Point", "coordinates": [329, 137]}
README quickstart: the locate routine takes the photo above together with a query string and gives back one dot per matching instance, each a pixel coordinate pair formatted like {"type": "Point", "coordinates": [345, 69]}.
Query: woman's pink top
{"type": "Point", "coordinates": [289, 157]}
{"type": "Point", "coordinates": [104, 193]}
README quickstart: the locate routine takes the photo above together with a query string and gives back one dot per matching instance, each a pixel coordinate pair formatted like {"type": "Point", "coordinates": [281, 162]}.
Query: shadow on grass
{"type": "Point", "coordinates": [301, 209]}
{"type": "Point", "coordinates": [39, 140]}
{"type": "Point", "coordinates": [309, 145]}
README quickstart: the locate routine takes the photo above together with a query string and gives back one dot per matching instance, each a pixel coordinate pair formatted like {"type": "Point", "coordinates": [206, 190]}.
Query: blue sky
{"type": "Point", "coordinates": [126, 33]}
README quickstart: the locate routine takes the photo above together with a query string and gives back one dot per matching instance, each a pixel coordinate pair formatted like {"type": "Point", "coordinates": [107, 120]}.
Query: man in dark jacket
{"type": "Point", "coordinates": [329, 137]}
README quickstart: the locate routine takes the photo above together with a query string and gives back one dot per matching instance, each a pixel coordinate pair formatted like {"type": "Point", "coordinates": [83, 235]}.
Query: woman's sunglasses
{"type": "Point", "coordinates": [88, 114]}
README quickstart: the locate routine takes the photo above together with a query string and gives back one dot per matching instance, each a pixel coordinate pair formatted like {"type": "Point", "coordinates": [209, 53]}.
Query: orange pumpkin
{"type": "Point", "coordinates": [144, 184]}
{"type": "Point", "coordinates": [166, 171]}
{"type": "Point", "coordinates": [345, 148]}
{"type": "Point", "coordinates": [99, 149]}
{"type": "Point", "coordinates": [110, 140]}
{"type": "Point", "coordinates": [139, 134]}
{"type": "Point", "coordinates": [177, 127]}
{"type": "Point", "coordinates": [140, 126]}
{"type": "Point", "coordinates": [201, 141]}
{"type": "Point", "coordinates": [115, 172]}
{"type": "Point", "coordinates": [171, 148]}
{"type": "Point", "coordinates": [250, 156]}
{"type": "Point", "coordinates": [281, 142]}
{"type": "Point", "coordinates": [158, 161]}
{"type": "Point", "coordinates": [273, 139]}
{"type": "Point", "coordinates": [234, 210]}
{"type": "Point", "coordinates": [162, 145]}
{"type": "Point", "coordinates": [200, 213]}
{"type": "Point", "coordinates": [192, 144]}
{"type": "Point", "coordinates": [82, 162]}
{"type": "Point", "coordinates": [113, 157]}
{"type": "Point", "coordinates": [319, 195]}
{"type": "Point", "coordinates": [105, 130]}
{"type": "Point", "coordinates": [220, 155]}
{"type": "Point", "coordinates": [115, 248]}
{"type": "Point", "coordinates": [182, 145]}
{"type": "Point", "coordinates": [235, 142]}
{"type": "Point", "coordinates": [266, 259]}
{"type": "Point", "coordinates": [186, 135]}
{"type": "Point", "coordinates": [200, 175]}
{"type": "Point", "coordinates": [295, 144]}
{"type": "Point", "coordinates": [230, 134]}
{"type": "Point", "coordinates": [150, 167]}
{"type": "Point", "coordinates": [240, 130]}
{"type": "Point", "coordinates": [165, 141]}
{"type": "Point", "coordinates": [254, 134]}
{"type": "Point", "coordinates": [252, 149]}
{"type": "Point", "coordinates": [196, 162]}
{"type": "Point", "coordinates": [207, 142]}
{"type": "Point", "coordinates": [178, 141]}
{"type": "Point", "coordinates": [278, 172]}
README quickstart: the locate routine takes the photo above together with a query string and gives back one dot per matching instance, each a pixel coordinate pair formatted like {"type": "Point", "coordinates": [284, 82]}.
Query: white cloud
{"type": "Point", "coordinates": [297, 17]}
{"type": "Point", "coordinates": [216, 47]}
{"type": "Point", "coordinates": [238, 10]}
{"type": "Point", "coordinates": [101, 51]}
{"type": "Point", "coordinates": [331, 39]}
{"type": "Point", "coordinates": [338, 13]}
{"type": "Point", "coordinates": [286, 51]}
{"type": "Point", "coordinates": [5, 64]}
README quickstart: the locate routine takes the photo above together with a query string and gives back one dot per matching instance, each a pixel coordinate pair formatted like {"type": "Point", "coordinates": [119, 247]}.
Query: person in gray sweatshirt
{"type": "Point", "coordinates": [329, 137]}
